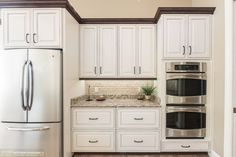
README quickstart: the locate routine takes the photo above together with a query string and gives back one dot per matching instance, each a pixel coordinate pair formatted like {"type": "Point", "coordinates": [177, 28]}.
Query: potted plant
{"type": "Point", "coordinates": [148, 90]}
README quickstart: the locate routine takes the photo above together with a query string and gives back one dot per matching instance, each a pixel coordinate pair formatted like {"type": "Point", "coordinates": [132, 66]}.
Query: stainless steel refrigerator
{"type": "Point", "coordinates": [31, 103]}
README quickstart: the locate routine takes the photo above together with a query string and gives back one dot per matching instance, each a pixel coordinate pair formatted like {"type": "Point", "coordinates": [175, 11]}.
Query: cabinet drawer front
{"type": "Point", "coordinates": [185, 146]}
{"type": "Point", "coordinates": [133, 118]}
{"type": "Point", "coordinates": [93, 118]}
{"type": "Point", "coordinates": [93, 142]}
{"type": "Point", "coordinates": [138, 141]}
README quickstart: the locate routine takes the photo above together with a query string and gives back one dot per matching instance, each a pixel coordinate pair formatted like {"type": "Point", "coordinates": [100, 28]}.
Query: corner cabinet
{"type": "Point", "coordinates": [117, 51]}
{"type": "Point", "coordinates": [187, 36]}
{"type": "Point", "coordinates": [32, 28]}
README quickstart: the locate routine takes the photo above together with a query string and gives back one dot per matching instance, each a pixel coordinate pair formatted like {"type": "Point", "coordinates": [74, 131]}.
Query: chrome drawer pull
{"type": "Point", "coordinates": [93, 118]}
{"type": "Point", "coordinates": [138, 118]}
{"type": "Point", "coordinates": [137, 141]}
{"type": "Point", "coordinates": [183, 146]}
{"type": "Point", "coordinates": [93, 141]}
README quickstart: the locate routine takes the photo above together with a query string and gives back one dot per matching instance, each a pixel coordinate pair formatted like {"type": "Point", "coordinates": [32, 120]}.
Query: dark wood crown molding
{"type": "Point", "coordinates": [73, 12]}
{"type": "Point", "coordinates": [183, 10]}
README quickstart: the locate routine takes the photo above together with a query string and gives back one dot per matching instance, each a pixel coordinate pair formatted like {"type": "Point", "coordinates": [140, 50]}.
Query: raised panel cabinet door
{"type": "Point", "coordinates": [147, 51]}
{"type": "Point", "coordinates": [47, 28]}
{"type": "Point", "coordinates": [127, 51]}
{"type": "Point", "coordinates": [175, 36]}
{"type": "Point", "coordinates": [108, 51]}
{"type": "Point", "coordinates": [88, 51]}
{"type": "Point", "coordinates": [16, 28]}
{"type": "Point", "coordinates": [199, 45]}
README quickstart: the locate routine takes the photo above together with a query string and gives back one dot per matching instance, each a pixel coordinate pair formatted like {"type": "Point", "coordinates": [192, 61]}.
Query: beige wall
{"type": "Point", "coordinates": [218, 59]}
{"type": "Point", "coordinates": [123, 8]}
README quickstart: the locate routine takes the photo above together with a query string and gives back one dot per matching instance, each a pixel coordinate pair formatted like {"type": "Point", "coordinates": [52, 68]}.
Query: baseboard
{"type": "Point", "coordinates": [212, 153]}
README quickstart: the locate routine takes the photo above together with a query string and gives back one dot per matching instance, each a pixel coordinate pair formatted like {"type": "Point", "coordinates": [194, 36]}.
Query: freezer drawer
{"type": "Point", "coordinates": [38, 140]}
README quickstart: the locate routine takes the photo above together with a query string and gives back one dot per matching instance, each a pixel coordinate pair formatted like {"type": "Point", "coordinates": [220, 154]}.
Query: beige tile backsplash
{"type": "Point", "coordinates": [116, 87]}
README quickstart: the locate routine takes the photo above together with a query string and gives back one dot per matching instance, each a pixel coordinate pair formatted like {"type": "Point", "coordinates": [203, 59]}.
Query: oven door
{"type": "Point", "coordinates": [186, 88]}
{"type": "Point", "coordinates": [185, 122]}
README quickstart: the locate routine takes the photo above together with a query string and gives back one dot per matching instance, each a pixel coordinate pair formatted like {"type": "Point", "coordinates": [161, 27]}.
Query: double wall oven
{"type": "Point", "coordinates": [186, 84]}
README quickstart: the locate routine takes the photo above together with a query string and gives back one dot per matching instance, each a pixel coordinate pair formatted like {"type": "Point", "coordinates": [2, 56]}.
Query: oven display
{"type": "Point", "coordinates": [187, 67]}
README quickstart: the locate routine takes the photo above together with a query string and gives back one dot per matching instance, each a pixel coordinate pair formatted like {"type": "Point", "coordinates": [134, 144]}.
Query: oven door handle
{"type": "Point", "coordinates": [187, 109]}
{"type": "Point", "coordinates": [198, 76]}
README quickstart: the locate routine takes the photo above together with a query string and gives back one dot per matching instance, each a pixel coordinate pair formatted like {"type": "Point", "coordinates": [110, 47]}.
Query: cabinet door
{"type": "Point", "coordinates": [127, 48]}
{"type": "Point", "coordinates": [199, 36]}
{"type": "Point", "coordinates": [108, 51]}
{"type": "Point", "coordinates": [47, 28]}
{"type": "Point", "coordinates": [175, 36]}
{"type": "Point", "coordinates": [88, 51]}
{"type": "Point", "coordinates": [147, 51]}
{"type": "Point", "coordinates": [16, 28]}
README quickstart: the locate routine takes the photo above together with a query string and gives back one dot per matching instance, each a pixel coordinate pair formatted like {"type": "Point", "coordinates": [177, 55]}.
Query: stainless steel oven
{"type": "Point", "coordinates": [186, 83]}
{"type": "Point", "coordinates": [185, 122]}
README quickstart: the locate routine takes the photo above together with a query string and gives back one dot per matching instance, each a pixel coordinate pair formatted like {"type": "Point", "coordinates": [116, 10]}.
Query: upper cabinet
{"type": "Point", "coordinates": [187, 36]}
{"type": "Point", "coordinates": [98, 51]}
{"type": "Point", "coordinates": [117, 51]}
{"type": "Point", "coordinates": [32, 28]}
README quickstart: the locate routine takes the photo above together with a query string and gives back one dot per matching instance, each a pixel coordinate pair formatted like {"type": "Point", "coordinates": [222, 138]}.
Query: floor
{"type": "Point", "coordinates": [144, 155]}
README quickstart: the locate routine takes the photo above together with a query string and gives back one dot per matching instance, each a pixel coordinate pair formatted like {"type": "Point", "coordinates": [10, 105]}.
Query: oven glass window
{"type": "Point", "coordinates": [186, 87]}
{"type": "Point", "coordinates": [186, 120]}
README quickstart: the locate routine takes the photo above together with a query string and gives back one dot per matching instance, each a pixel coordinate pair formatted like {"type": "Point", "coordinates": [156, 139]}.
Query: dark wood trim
{"type": "Point", "coordinates": [183, 10]}
{"type": "Point", "coordinates": [72, 11]}
{"type": "Point", "coordinates": [117, 78]}
{"type": "Point", "coordinates": [117, 21]}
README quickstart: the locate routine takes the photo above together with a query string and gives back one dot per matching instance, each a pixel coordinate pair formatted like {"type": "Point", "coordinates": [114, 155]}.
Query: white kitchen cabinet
{"type": "Point", "coordinates": [108, 51]}
{"type": "Point", "coordinates": [147, 51]}
{"type": "Point", "coordinates": [88, 51]}
{"type": "Point", "coordinates": [47, 28]}
{"type": "Point", "coordinates": [174, 36]}
{"type": "Point", "coordinates": [98, 51]}
{"type": "Point", "coordinates": [32, 28]}
{"type": "Point", "coordinates": [187, 36]}
{"type": "Point", "coordinates": [127, 51]}
{"type": "Point", "coordinates": [16, 26]}
{"type": "Point", "coordinates": [199, 36]}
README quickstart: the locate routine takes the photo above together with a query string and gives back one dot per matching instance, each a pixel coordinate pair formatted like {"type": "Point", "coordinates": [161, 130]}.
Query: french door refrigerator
{"type": "Point", "coordinates": [31, 103]}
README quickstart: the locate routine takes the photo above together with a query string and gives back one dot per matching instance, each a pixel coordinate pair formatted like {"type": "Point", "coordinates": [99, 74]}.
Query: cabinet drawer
{"type": "Point", "coordinates": [93, 118]}
{"type": "Point", "coordinates": [185, 146]}
{"type": "Point", "coordinates": [138, 141]}
{"type": "Point", "coordinates": [93, 142]}
{"type": "Point", "coordinates": [138, 118]}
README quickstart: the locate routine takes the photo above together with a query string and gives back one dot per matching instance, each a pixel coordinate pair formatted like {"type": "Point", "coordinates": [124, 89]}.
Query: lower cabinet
{"type": "Point", "coordinates": [142, 141]}
{"type": "Point", "coordinates": [185, 146]}
{"type": "Point", "coordinates": [88, 141]}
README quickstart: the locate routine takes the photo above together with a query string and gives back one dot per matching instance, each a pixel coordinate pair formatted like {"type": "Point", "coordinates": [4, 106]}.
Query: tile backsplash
{"type": "Point", "coordinates": [116, 87]}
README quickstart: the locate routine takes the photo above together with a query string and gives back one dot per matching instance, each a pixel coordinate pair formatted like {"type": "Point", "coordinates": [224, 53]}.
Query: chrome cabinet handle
{"type": "Point", "coordinates": [28, 129]}
{"type": "Point", "coordinates": [190, 50]}
{"type": "Point", "coordinates": [100, 70]}
{"type": "Point", "coordinates": [34, 36]}
{"type": "Point", "coordinates": [24, 87]}
{"type": "Point", "coordinates": [134, 70]}
{"type": "Point", "coordinates": [96, 141]}
{"type": "Point", "coordinates": [31, 85]}
{"type": "Point", "coordinates": [95, 70]}
{"type": "Point", "coordinates": [140, 70]}
{"type": "Point", "coordinates": [185, 146]}
{"type": "Point", "coordinates": [184, 50]}
{"type": "Point", "coordinates": [138, 141]}
{"type": "Point", "coordinates": [93, 118]}
{"type": "Point", "coordinates": [27, 37]}
{"type": "Point", "coordinates": [138, 118]}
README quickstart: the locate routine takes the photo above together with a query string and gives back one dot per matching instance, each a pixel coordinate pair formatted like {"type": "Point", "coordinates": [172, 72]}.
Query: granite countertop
{"type": "Point", "coordinates": [116, 103]}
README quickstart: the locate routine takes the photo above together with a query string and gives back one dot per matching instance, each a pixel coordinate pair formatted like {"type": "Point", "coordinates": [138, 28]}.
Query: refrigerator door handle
{"type": "Point", "coordinates": [24, 87]}
{"type": "Point", "coordinates": [31, 85]}
{"type": "Point", "coordinates": [23, 129]}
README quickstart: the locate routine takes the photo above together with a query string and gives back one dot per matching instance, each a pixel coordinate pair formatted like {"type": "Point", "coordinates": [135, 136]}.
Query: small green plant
{"type": "Point", "coordinates": [148, 89]}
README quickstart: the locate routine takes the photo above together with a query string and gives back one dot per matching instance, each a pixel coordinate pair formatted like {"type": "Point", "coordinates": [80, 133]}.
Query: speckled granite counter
{"type": "Point", "coordinates": [117, 103]}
